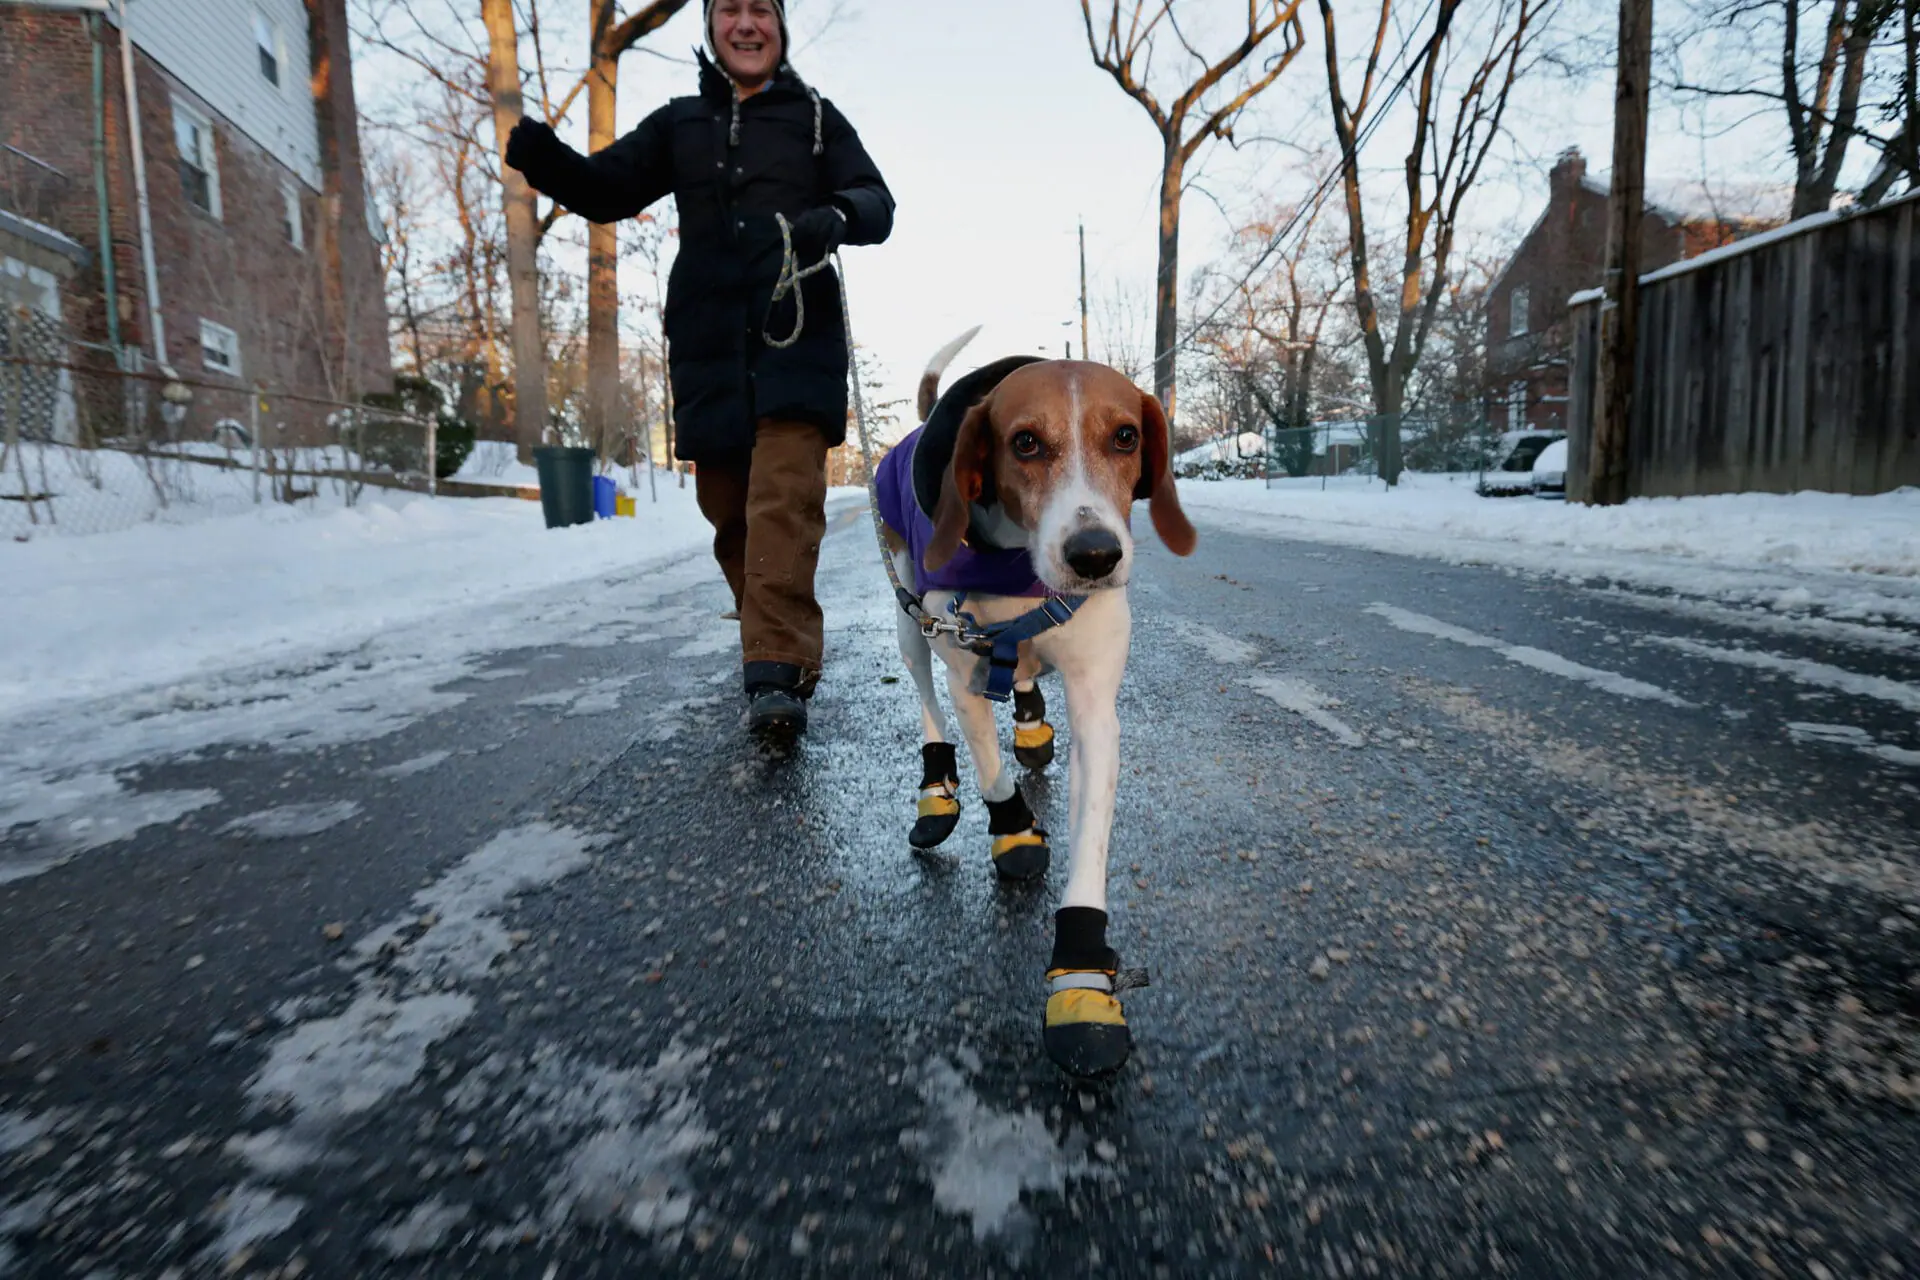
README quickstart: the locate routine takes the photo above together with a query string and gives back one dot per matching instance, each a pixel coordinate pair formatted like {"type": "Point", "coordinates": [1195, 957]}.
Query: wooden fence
{"type": "Point", "coordinates": [1788, 361]}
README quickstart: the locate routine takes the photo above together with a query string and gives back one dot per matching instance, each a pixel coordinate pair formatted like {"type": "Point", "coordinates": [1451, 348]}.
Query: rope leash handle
{"type": "Point", "coordinates": [792, 274]}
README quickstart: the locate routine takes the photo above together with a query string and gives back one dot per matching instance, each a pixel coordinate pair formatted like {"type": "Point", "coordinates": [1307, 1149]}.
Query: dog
{"type": "Point", "coordinates": [1018, 490]}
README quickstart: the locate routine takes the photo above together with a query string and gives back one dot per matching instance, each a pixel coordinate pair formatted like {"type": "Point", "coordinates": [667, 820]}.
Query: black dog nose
{"type": "Point", "coordinates": [1092, 553]}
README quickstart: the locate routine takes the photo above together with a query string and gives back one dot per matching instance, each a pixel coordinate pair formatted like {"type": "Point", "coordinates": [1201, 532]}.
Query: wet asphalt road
{"type": "Point", "coordinates": [1496, 925]}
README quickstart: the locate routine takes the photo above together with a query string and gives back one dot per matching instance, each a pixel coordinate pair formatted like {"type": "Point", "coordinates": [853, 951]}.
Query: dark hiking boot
{"type": "Point", "coordinates": [777, 700]}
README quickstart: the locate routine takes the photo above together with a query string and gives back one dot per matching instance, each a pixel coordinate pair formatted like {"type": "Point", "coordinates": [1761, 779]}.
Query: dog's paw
{"type": "Point", "coordinates": [1025, 856]}
{"type": "Point", "coordinates": [1033, 745]}
{"type": "Point", "coordinates": [1085, 1029]}
{"type": "Point", "coordinates": [1032, 735]}
{"type": "Point", "coordinates": [937, 816]}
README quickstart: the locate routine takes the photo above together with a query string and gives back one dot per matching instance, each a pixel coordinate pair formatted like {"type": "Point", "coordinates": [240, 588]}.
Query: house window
{"type": "Point", "coordinates": [1517, 312]}
{"type": "Point", "coordinates": [290, 215]}
{"type": "Point", "coordinates": [1516, 406]}
{"type": "Point", "coordinates": [219, 348]}
{"type": "Point", "coordinates": [266, 39]}
{"type": "Point", "coordinates": [199, 169]}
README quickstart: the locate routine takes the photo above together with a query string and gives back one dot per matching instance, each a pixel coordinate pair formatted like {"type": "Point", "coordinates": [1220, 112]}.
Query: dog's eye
{"type": "Point", "coordinates": [1127, 439]}
{"type": "Point", "coordinates": [1026, 444]}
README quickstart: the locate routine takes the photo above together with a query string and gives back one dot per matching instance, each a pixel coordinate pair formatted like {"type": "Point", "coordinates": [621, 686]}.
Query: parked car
{"type": "Point", "coordinates": [1510, 470]}
{"type": "Point", "coordinates": [1550, 471]}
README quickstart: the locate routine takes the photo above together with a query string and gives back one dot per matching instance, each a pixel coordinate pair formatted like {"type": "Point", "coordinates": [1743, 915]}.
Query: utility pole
{"type": "Point", "coordinates": [1085, 350]}
{"type": "Point", "coordinates": [1620, 311]}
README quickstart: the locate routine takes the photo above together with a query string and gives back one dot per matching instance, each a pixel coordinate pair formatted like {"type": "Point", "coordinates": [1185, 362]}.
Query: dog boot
{"type": "Point", "coordinates": [939, 810]}
{"type": "Point", "coordinates": [1085, 1029]}
{"type": "Point", "coordinates": [1032, 735]}
{"type": "Point", "coordinates": [1019, 848]}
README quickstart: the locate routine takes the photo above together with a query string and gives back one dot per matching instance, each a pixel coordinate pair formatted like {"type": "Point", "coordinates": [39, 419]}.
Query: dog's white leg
{"type": "Point", "coordinates": [917, 653]}
{"type": "Point", "coordinates": [975, 714]}
{"type": "Point", "coordinates": [1091, 654]}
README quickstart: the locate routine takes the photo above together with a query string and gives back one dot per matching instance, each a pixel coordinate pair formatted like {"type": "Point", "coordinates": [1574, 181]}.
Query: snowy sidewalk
{"type": "Point", "coordinates": [1847, 557]}
{"type": "Point", "coordinates": [98, 616]}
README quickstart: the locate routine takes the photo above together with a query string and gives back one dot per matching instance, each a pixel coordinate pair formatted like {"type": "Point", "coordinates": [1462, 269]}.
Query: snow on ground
{"type": "Point", "coordinates": [1848, 557]}
{"type": "Point", "coordinates": [93, 491]}
{"type": "Point", "coordinates": [160, 604]}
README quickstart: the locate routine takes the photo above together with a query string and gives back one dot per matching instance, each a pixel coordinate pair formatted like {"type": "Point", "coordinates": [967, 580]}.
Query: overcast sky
{"type": "Point", "coordinates": [997, 135]}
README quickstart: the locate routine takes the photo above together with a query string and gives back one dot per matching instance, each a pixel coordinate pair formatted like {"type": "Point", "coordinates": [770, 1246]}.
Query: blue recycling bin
{"type": "Point", "coordinates": [606, 496]}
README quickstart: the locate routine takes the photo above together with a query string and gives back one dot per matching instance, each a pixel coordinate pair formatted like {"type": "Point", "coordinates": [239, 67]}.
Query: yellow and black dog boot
{"type": "Point", "coordinates": [1085, 1031]}
{"type": "Point", "coordinates": [939, 807]}
{"type": "Point", "coordinates": [1032, 735]}
{"type": "Point", "coordinates": [1019, 848]}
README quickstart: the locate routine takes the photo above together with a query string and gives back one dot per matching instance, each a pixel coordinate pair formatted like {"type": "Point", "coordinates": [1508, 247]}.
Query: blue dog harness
{"type": "Point", "coordinates": [1000, 641]}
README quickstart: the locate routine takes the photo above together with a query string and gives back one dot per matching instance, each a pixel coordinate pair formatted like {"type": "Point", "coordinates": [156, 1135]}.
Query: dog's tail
{"type": "Point", "coordinates": [930, 380]}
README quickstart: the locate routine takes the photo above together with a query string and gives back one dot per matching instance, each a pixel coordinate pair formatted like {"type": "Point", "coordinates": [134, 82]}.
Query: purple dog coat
{"type": "Point", "coordinates": [980, 572]}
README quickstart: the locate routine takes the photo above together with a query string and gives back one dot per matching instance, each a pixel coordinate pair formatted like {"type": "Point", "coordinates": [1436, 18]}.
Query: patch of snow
{"type": "Point", "coordinates": [467, 936]}
{"type": "Point", "coordinates": [418, 765]}
{"type": "Point", "coordinates": [1296, 695]}
{"type": "Point", "coordinates": [292, 820]}
{"type": "Point", "coordinates": [594, 697]}
{"type": "Point", "coordinates": [1816, 675]}
{"type": "Point", "coordinates": [1843, 735]}
{"type": "Point", "coordinates": [981, 1160]}
{"type": "Point", "coordinates": [1525, 655]}
{"type": "Point", "coordinates": [1228, 651]}
{"type": "Point", "coordinates": [1827, 630]}
{"type": "Point", "coordinates": [641, 1129]}
{"type": "Point", "coordinates": [330, 1069]}
{"type": "Point", "coordinates": [249, 1214]}
{"type": "Point", "coordinates": [423, 1230]}
{"type": "Point", "coordinates": [326, 1070]}
{"type": "Point", "coordinates": [18, 1131]}
{"type": "Point", "coordinates": [79, 813]}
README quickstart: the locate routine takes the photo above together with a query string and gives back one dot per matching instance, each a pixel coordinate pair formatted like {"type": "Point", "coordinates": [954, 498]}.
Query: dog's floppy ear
{"type": "Point", "coordinates": [965, 481]}
{"type": "Point", "coordinates": [1156, 480]}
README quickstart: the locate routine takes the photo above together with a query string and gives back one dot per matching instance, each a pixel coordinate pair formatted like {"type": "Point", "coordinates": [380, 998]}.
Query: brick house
{"type": "Point", "coordinates": [265, 262]}
{"type": "Point", "coordinates": [1529, 341]}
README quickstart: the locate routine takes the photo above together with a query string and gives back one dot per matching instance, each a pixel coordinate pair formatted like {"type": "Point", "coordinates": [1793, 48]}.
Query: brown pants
{"type": "Point", "coordinates": [769, 513]}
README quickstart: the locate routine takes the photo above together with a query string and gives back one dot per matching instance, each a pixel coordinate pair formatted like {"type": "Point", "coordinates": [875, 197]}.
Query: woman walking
{"type": "Point", "coordinates": [755, 416]}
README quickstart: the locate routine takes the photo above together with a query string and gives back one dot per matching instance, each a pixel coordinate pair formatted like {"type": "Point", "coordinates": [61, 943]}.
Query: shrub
{"type": "Point", "coordinates": [399, 446]}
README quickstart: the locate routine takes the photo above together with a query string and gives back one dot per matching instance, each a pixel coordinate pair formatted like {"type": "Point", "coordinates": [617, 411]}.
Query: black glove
{"type": "Point", "coordinates": [817, 233]}
{"type": "Point", "coordinates": [530, 142]}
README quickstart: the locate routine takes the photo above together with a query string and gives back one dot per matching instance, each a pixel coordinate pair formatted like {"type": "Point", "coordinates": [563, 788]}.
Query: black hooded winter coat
{"type": "Point", "coordinates": [786, 151]}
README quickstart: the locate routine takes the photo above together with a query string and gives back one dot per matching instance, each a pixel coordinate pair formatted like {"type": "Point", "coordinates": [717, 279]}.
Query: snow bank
{"type": "Point", "coordinates": [1825, 531]}
{"type": "Point", "coordinates": [1851, 556]}
{"type": "Point", "coordinates": [159, 604]}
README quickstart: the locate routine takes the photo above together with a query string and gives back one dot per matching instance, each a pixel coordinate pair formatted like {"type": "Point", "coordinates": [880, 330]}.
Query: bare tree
{"type": "Point", "coordinates": [1123, 46]}
{"type": "Point", "coordinates": [1453, 128]}
{"type": "Point", "coordinates": [610, 37]}
{"type": "Point", "coordinates": [1759, 50]}
{"type": "Point", "coordinates": [523, 237]}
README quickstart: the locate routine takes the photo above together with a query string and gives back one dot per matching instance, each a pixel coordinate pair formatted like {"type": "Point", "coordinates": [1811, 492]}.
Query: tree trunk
{"type": "Point", "coordinates": [523, 272]}
{"type": "Point", "coordinates": [1167, 286]}
{"type": "Point", "coordinates": [603, 244]}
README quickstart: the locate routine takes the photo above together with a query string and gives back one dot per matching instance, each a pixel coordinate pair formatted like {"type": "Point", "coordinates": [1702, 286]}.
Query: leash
{"type": "Point", "coordinates": [792, 275]}
{"type": "Point", "coordinates": [998, 642]}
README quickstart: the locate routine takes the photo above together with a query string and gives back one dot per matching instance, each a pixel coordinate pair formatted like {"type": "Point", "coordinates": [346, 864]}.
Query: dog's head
{"type": "Point", "coordinates": [1065, 448]}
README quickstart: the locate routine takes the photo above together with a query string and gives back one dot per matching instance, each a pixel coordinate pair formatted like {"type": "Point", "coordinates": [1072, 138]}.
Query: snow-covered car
{"type": "Point", "coordinates": [1550, 471]}
{"type": "Point", "coordinates": [1510, 472]}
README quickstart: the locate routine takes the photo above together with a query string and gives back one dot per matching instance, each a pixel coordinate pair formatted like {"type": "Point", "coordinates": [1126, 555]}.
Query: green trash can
{"type": "Point", "coordinates": [566, 484]}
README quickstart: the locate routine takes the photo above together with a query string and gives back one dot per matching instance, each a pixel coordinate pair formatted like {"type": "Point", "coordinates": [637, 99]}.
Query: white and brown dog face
{"type": "Point", "coordinates": [1065, 448]}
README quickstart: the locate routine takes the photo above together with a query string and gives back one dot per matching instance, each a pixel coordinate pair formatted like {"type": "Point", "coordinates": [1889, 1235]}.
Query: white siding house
{"type": "Point", "coordinates": [247, 59]}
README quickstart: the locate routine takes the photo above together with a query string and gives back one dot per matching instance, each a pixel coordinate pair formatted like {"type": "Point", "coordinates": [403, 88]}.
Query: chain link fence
{"type": "Point", "coordinates": [94, 440]}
